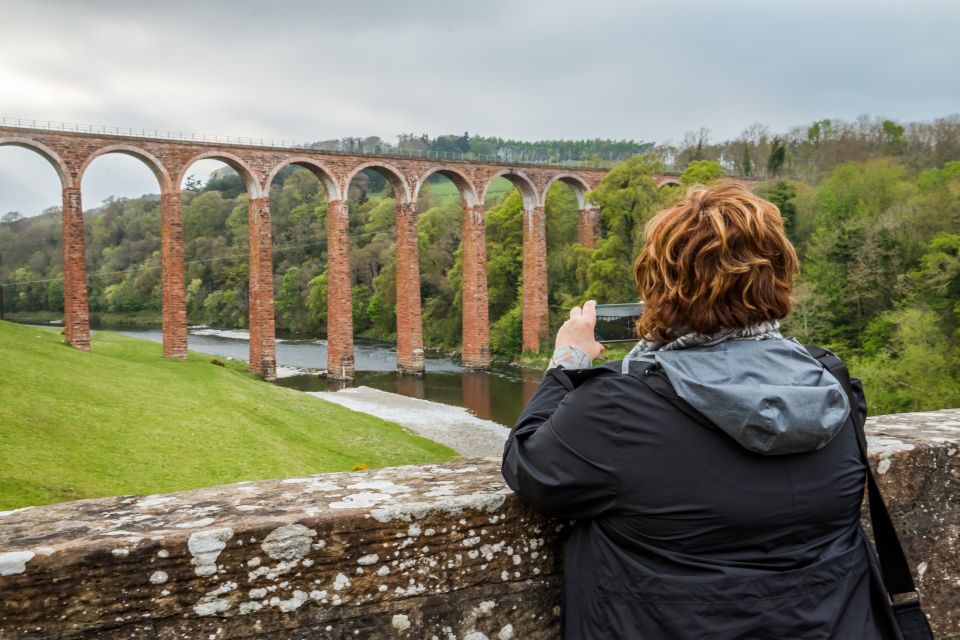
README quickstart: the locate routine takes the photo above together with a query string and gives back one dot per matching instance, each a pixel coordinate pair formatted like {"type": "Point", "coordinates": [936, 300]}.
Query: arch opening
{"type": "Point", "coordinates": [320, 172]}
{"type": "Point", "coordinates": [31, 254]}
{"type": "Point", "coordinates": [214, 213]}
{"type": "Point", "coordinates": [575, 183]}
{"type": "Point", "coordinates": [117, 168]}
{"type": "Point", "coordinates": [373, 178]}
{"type": "Point", "coordinates": [120, 192]}
{"type": "Point", "coordinates": [564, 200]}
{"type": "Point", "coordinates": [439, 180]}
{"type": "Point", "coordinates": [201, 168]}
{"type": "Point", "coordinates": [444, 256]}
{"type": "Point", "coordinates": [521, 182]}
{"type": "Point", "coordinates": [299, 197]}
{"type": "Point", "coordinates": [35, 149]}
{"type": "Point", "coordinates": [503, 221]}
{"type": "Point", "coordinates": [373, 195]}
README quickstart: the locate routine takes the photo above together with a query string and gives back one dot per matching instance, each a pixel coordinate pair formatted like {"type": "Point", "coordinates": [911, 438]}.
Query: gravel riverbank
{"type": "Point", "coordinates": [454, 427]}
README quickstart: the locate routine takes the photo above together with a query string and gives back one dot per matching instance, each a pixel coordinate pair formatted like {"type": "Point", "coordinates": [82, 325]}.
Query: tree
{"type": "Point", "coordinates": [915, 369]}
{"type": "Point", "coordinates": [11, 216]}
{"type": "Point", "coordinates": [784, 195]}
{"type": "Point", "coordinates": [894, 136]}
{"type": "Point", "coordinates": [701, 172]}
{"type": "Point", "coordinates": [205, 215]}
{"type": "Point", "coordinates": [627, 197]}
{"type": "Point", "coordinates": [778, 156]}
{"type": "Point", "coordinates": [746, 162]}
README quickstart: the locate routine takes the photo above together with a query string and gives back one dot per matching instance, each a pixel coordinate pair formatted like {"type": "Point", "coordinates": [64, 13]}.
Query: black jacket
{"type": "Point", "coordinates": [681, 532]}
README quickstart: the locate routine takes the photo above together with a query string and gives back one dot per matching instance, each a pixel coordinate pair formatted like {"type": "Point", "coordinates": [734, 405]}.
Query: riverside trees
{"type": "Point", "coordinates": [873, 208]}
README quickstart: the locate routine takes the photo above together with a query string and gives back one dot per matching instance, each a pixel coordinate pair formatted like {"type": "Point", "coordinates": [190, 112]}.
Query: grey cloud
{"type": "Point", "coordinates": [309, 70]}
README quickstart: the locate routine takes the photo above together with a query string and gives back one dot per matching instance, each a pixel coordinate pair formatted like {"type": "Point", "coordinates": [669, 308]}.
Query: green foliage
{"type": "Point", "coordinates": [915, 369]}
{"type": "Point", "coordinates": [861, 190]}
{"type": "Point", "coordinates": [506, 333]}
{"type": "Point", "coordinates": [504, 233]}
{"type": "Point", "coordinates": [628, 198]}
{"type": "Point", "coordinates": [894, 134]}
{"type": "Point", "coordinates": [879, 241]}
{"type": "Point", "coordinates": [881, 281]}
{"type": "Point", "coordinates": [701, 172]}
{"type": "Point", "coordinates": [440, 227]}
{"type": "Point", "coordinates": [525, 151]}
{"type": "Point", "coordinates": [205, 215]}
{"type": "Point", "coordinates": [778, 157]}
{"type": "Point", "coordinates": [783, 194]}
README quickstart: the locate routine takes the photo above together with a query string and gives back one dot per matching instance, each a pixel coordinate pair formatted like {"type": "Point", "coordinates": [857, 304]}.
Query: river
{"type": "Point", "coordinates": [497, 394]}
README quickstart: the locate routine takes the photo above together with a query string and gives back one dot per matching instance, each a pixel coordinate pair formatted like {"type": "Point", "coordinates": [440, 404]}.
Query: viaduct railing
{"type": "Point", "coordinates": [71, 150]}
{"type": "Point", "coordinates": [442, 551]}
{"type": "Point", "coordinates": [334, 146]}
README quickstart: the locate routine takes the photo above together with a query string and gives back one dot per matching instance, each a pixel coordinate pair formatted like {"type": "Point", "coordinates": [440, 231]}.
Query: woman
{"type": "Point", "coordinates": [714, 474]}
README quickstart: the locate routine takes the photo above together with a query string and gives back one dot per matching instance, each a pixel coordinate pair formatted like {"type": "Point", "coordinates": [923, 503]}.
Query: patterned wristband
{"type": "Point", "coordinates": [570, 358]}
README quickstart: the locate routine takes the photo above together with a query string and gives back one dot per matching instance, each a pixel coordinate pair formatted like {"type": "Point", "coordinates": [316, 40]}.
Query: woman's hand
{"type": "Point", "coordinates": [577, 332]}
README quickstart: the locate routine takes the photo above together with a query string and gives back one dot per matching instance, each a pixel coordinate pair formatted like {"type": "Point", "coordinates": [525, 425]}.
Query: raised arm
{"type": "Point", "coordinates": [562, 455]}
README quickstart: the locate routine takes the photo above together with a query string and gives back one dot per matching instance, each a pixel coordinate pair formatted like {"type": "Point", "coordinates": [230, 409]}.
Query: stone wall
{"type": "Point", "coordinates": [435, 551]}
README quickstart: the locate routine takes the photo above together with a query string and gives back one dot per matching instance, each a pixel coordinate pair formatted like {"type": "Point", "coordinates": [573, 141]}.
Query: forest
{"type": "Point", "coordinates": [872, 206]}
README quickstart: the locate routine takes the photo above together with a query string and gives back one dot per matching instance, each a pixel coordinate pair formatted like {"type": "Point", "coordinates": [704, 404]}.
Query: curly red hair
{"type": "Point", "coordinates": [717, 259]}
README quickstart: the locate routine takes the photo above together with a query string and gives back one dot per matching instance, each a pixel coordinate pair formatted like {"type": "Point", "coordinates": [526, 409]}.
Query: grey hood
{"type": "Point", "coordinates": [769, 395]}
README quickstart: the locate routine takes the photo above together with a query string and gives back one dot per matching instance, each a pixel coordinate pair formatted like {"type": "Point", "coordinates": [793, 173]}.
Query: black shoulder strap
{"type": "Point", "coordinates": [893, 561]}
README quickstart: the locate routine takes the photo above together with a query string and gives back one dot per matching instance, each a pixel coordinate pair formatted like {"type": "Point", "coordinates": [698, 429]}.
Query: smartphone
{"type": "Point", "coordinates": [617, 322]}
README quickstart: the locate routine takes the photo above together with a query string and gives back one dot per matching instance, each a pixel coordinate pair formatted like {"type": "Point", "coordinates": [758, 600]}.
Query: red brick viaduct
{"type": "Point", "coordinates": [257, 163]}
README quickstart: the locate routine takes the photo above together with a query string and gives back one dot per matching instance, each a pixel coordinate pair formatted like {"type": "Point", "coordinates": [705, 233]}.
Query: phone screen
{"type": "Point", "coordinates": [617, 322]}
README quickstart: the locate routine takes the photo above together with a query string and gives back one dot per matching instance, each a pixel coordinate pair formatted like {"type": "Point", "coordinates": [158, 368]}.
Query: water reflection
{"type": "Point", "coordinates": [476, 393]}
{"type": "Point", "coordinates": [498, 394]}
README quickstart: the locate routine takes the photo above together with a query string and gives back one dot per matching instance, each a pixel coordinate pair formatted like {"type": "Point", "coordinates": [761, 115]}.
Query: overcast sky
{"type": "Point", "coordinates": [528, 69]}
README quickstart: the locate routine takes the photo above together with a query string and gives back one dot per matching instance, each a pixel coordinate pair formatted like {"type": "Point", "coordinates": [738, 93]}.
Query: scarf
{"type": "Point", "coordinates": [760, 331]}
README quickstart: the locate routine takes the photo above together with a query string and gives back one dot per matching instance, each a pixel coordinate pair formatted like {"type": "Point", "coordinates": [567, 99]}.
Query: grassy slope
{"type": "Point", "coordinates": [121, 419]}
{"type": "Point", "coordinates": [446, 190]}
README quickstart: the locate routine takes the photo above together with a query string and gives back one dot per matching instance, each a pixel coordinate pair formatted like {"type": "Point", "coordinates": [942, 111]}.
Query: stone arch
{"type": "Point", "coordinates": [394, 176]}
{"type": "Point", "coordinates": [467, 191]}
{"type": "Point", "coordinates": [153, 163]}
{"type": "Point", "coordinates": [51, 156]}
{"type": "Point", "coordinates": [668, 180]}
{"type": "Point", "coordinates": [314, 166]}
{"type": "Point", "coordinates": [575, 182]}
{"type": "Point", "coordinates": [523, 183]}
{"type": "Point", "coordinates": [234, 162]}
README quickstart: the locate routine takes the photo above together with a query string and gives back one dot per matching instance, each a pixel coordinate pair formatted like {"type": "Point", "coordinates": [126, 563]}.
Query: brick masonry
{"type": "Point", "coordinates": [340, 359]}
{"type": "Point", "coordinates": [174, 288]}
{"type": "Point", "coordinates": [588, 227]}
{"type": "Point", "coordinates": [536, 314]}
{"type": "Point", "coordinates": [263, 345]}
{"type": "Point", "coordinates": [476, 312]}
{"type": "Point", "coordinates": [76, 314]}
{"type": "Point", "coordinates": [409, 318]}
{"type": "Point", "coordinates": [170, 160]}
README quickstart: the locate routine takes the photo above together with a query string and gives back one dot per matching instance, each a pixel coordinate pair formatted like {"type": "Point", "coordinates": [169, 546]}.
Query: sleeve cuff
{"type": "Point", "coordinates": [570, 358]}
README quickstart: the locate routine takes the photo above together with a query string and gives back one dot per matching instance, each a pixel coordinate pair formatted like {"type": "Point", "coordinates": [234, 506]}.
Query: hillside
{"type": "Point", "coordinates": [121, 420]}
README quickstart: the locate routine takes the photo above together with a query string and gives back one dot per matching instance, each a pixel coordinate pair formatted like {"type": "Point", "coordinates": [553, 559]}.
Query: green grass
{"type": "Point", "coordinates": [128, 319]}
{"type": "Point", "coordinates": [614, 351]}
{"type": "Point", "coordinates": [34, 317]}
{"type": "Point", "coordinates": [121, 419]}
{"type": "Point", "coordinates": [446, 191]}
